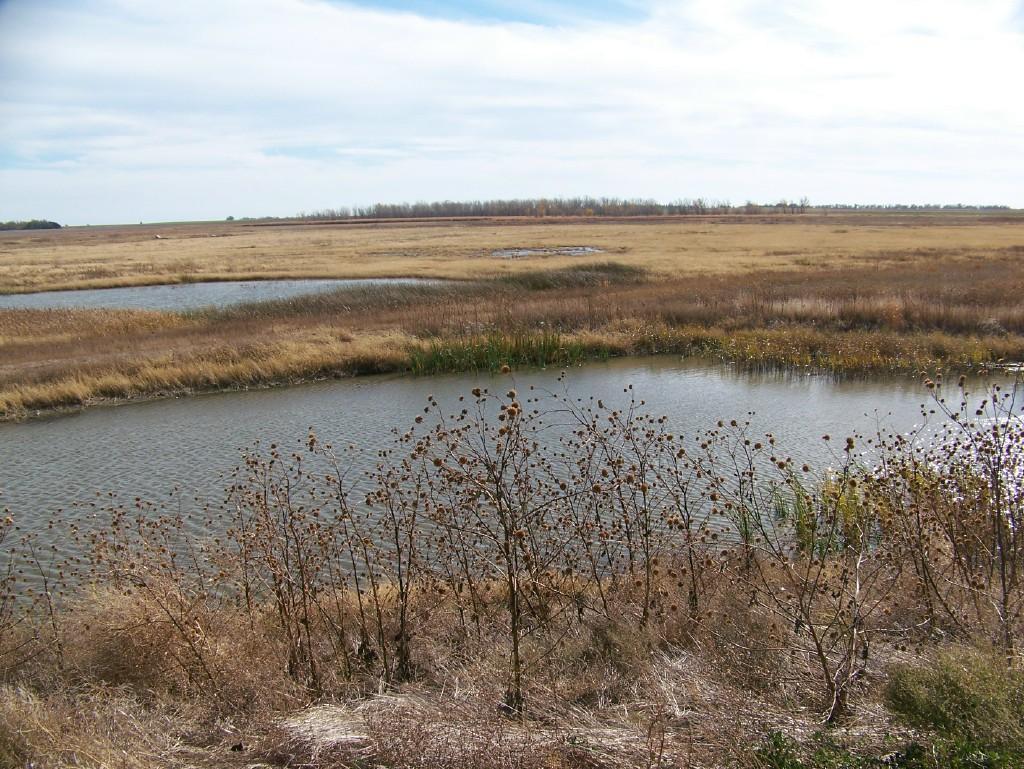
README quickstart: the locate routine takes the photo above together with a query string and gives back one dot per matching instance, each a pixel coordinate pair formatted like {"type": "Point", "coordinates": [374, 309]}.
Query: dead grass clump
{"type": "Point", "coordinates": [206, 367]}
{"type": "Point", "coordinates": [456, 729]}
{"type": "Point", "coordinates": [93, 727]}
{"type": "Point", "coordinates": [598, 666]}
{"type": "Point", "coordinates": [408, 733]}
{"type": "Point", "coordinates": [155, 638]}
{"type": "Point", "coordinates": [748, 648]}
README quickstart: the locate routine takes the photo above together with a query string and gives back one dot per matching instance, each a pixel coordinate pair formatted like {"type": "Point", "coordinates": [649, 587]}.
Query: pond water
{"type": "Point", "coordinates": [191, 296]}
{"type": "Point", "coordinates": [150, 449]}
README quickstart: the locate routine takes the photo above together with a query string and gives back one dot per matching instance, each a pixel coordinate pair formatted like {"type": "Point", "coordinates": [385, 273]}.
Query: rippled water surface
{"type": "Point", "coordinates": [190, 296]}
{"type": "Point", "coordinates": [149, 449]}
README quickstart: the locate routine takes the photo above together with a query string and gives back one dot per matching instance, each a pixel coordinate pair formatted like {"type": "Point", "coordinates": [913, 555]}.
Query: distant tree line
{"type": "Point", "coordinates": [31, 224]}
{"type": "Point", "coordinates": [590, 206]}
{"type": "Point", "coordinates": [910, 207]}
{"type": "Point", "coordinates": [540, 207]}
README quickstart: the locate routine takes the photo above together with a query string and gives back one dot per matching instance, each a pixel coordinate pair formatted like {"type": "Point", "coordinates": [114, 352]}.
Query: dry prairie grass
{"type": "Point", "coordinates": [122, 256]}
{"type": "Point", "coordinates": [200, 365]}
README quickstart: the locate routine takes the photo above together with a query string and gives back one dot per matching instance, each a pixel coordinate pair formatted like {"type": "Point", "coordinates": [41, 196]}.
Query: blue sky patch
{"type": "Point", "coordinates": [556, 13]}
{"type": "Point", "coordinates": [302, 152]}
{"type": "Point", "coordinates": [10, 158]}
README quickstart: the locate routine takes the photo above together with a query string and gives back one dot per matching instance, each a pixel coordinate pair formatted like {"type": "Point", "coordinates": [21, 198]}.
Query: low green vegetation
{"type": "Point", "coordinates": [821, 751]}
{"type": "Point", "coordinates": [597, 275]}
{"type": "Point", "coordinates": [970, 697]}
{"type": "Point", "coordinates": [494, 351]}
{"type": "Point", "coordinates": [31, 224]}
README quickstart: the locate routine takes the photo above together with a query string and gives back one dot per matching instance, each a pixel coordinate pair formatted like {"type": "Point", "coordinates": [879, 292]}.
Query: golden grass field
{"type": "Point", "coordinates": [83, 257]}
{"type": "Point", "coordinates": [838, 291]}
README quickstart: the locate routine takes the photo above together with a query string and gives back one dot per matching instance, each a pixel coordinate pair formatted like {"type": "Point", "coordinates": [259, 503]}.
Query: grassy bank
{"type": "Point", "coordinates": [342, 354]}
{"type": "Point", "coordinates": [490, 597]}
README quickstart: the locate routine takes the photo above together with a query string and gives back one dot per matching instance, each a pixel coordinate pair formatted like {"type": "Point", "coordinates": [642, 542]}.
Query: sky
{"type": "Point", "coordinates": [117, 111]}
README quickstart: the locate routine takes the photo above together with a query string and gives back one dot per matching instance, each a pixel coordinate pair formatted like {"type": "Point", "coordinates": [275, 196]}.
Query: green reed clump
{"type": "Point", "coordinates": [495, 350]}
{"type": "Point", "coordinates": [582, 276]}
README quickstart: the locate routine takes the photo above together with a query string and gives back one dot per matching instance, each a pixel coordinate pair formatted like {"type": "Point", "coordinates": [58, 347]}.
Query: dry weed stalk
{"type": "Point", "coordinates": [953, 504]}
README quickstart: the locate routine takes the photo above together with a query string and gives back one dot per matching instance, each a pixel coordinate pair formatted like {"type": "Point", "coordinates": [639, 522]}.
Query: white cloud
{"type": "Point", "coordinates": [113, 110]}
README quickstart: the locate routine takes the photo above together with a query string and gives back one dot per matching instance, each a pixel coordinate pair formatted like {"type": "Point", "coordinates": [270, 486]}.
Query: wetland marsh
{"type": "Point", "coordinates": [856, 293]}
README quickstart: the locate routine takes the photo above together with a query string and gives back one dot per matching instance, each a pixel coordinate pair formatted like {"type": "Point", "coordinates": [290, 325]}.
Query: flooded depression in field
{"type": "Point", "coordinates": [192, 296]}
{"type": "Point", "coordinates": [520, 253]}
